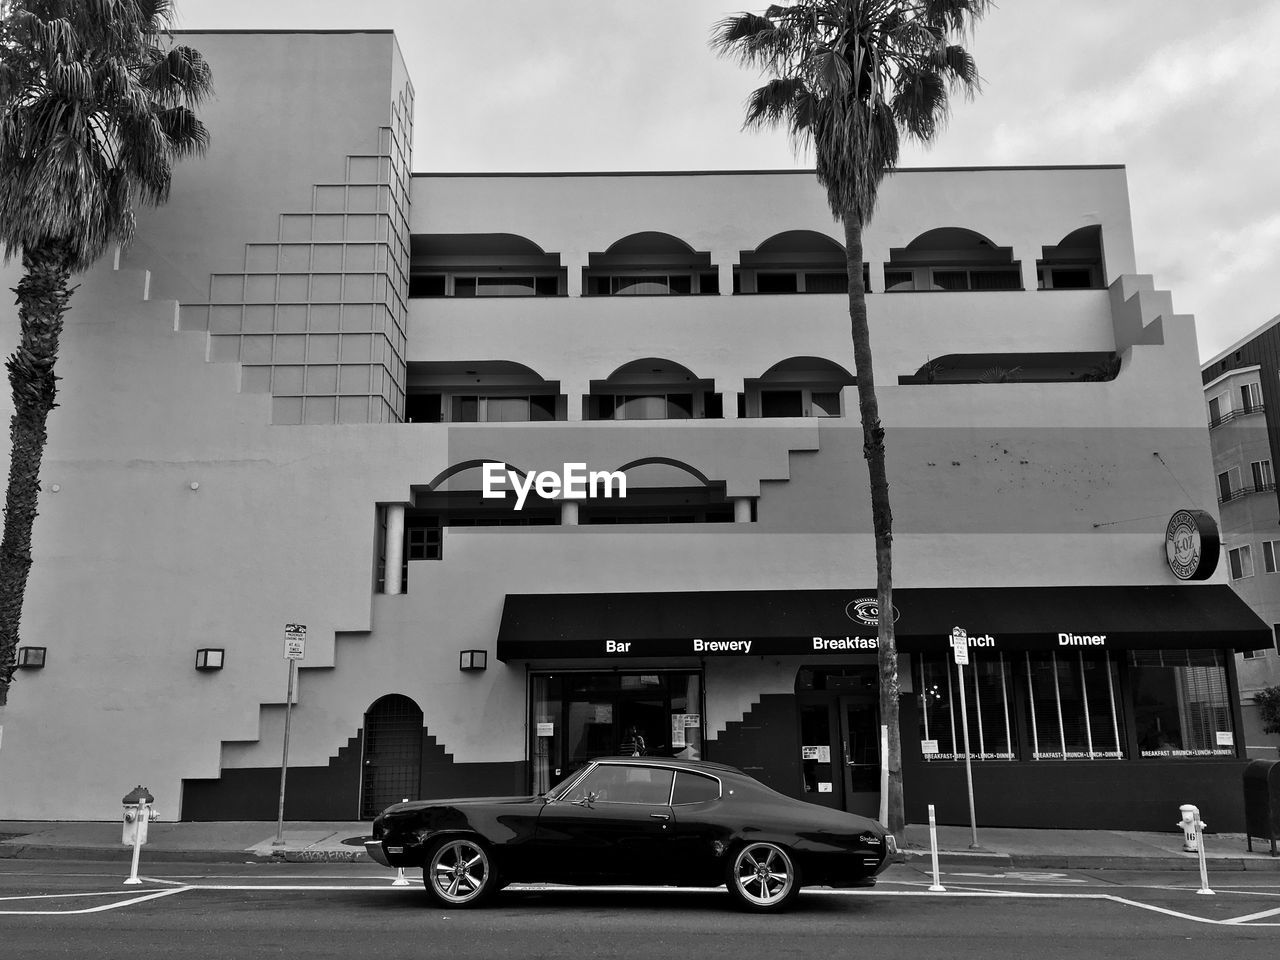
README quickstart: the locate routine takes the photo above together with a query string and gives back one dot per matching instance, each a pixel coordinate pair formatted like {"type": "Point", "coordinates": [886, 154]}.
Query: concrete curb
{"type": "Point", "coordinates": [1060, 861]}
{"type": "Point", "coordinates": [979, 858]}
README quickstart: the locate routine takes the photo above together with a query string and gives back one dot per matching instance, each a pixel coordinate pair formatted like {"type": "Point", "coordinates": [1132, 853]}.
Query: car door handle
{"type": "Point", "coordinates": [660, 816]}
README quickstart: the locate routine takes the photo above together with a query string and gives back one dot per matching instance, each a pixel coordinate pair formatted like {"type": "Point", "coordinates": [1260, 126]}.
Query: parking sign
{"type": "Point", "coordinates": [295, 641]}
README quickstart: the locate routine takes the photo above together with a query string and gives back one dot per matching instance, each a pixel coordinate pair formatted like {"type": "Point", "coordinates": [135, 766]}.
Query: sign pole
{"type": "Point", "coordinates": [960, 648]}
{"type": "Point", "coordinates": [284, 762]}
{"type": "Point", "coordinates": [295, 638]}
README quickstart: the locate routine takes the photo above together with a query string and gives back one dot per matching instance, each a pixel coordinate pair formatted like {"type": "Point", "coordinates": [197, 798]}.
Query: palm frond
{"type": "Point", "coordinates": [93, 110]}
{"type": "Point", "coordinates": [852, 77]}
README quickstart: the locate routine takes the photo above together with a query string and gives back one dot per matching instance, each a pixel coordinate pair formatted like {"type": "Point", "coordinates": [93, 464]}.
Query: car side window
{"type": "Point", "coordinates": [695, 788]}
{"type": "Point", "coordinates": [609, 783]}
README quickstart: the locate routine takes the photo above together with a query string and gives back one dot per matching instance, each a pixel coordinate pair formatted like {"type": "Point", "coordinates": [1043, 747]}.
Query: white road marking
{"type": "Point", "coordinates": [545, 888]}
{"type": "Point", "coordinates": [1256, 916]}
{"type": "Point", "coordinates": [154, 895]}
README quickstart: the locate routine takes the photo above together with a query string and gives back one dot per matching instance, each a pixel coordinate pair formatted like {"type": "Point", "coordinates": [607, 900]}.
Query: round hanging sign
{"type": "Point", "coordinates": [1191, 545]}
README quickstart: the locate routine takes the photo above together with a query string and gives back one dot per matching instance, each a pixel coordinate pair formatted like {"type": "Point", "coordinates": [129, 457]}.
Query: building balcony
{"type": "Point", "coordinates": [1246, 491]}
{"type": "Point", "coordinates": [1234, 414]}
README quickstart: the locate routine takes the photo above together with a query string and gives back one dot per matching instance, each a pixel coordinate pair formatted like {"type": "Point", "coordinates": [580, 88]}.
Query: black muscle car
{"type": "Point", "coordinates": [634, 820]}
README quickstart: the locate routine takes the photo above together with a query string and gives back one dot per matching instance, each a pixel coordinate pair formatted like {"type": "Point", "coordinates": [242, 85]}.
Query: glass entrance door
{"type": "Point", "coordinates": [860, 752]}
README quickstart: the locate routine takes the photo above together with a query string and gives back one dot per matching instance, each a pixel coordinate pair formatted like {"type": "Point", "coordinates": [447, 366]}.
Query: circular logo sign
{"type": "Point", "coordinates": [1191, 545]}
{"type": "Point", "coordinates": [867, 610]}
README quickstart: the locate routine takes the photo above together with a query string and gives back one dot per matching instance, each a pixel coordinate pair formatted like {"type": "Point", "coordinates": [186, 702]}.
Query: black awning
{"type": "Point", "coordinates": [779, 622]}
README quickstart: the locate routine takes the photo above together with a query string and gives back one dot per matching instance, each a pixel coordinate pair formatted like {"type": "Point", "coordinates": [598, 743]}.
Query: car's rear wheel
{"type": "Point", "coordinates": [762, 877]}
{"type": "Point", "coordinates": [458, 872]}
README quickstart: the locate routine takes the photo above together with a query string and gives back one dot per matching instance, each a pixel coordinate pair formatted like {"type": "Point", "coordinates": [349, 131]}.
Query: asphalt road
{"type": "Point", "coordinates": [64, 909]}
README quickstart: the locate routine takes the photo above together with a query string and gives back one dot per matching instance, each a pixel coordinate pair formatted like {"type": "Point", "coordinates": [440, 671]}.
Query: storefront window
{"type": "Point", "coordinates": [576, 717]}
{"type": "Point", "coordinates": [988, 696]}
{"type": "Point", "coordinates": [1072, 711]}
{"type": "Point", "coordinates": [1181, 703]}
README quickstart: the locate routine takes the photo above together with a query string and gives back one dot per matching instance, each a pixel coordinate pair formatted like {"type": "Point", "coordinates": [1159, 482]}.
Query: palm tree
{"type": "Point", "coordinates": [92, 110]}
{"type": "Point", "coordinates": [849, 78]}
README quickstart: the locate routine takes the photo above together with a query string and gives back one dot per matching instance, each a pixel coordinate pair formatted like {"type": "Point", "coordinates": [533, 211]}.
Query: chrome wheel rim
{"type": "Point", "coordinates": [459, 871]}
{"type": "Point", "coordinates": [763, 874]}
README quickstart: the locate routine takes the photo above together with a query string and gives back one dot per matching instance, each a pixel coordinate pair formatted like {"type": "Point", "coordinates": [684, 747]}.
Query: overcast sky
{"type": "Point", "coordinates": [1184, 93]}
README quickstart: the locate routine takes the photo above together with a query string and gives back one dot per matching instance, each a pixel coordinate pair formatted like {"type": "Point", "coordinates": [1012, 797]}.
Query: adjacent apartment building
{"type": "Point", "coordinates": [554, 466]}
{"type": "Point", "coordinates": [1242, 391]}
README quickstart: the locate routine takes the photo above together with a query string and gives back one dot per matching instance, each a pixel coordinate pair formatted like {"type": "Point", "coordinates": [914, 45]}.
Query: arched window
{"type": "Point", "coordinates": [1075, 263]}
{"type": "Point", "coordinates": [479, 391]}
{"type": "Point", "coordinates": [797, 387]}
{"type": "Point", "coordinates": [795, 261]}
{"type": "Point", "coordinates": [647, 264]}
{"type": "Point", "coordinates": [481, 265]}
{"type": "Point", "coordinates": [951, 258]}
{"type": "Point", "coordinates": [653, 389]}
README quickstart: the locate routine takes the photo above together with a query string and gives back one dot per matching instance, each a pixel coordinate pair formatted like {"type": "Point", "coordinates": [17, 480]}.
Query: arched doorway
{"type": "Point", "coordinates": [392, 768]}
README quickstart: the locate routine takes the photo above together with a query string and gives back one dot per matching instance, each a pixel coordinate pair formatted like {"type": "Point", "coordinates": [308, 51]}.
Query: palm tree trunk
{"type": "Point", "coordinates": [882, 517]}
{"type": "Point", "coordinates": [42, 301]}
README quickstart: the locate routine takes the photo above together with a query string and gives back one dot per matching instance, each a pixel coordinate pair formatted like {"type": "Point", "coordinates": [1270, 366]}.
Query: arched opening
{"type": "Point", "coordinates": [650, 263]}
{"type": "Point", "coordinates": [1075, 263]}
{"type": "Point", "coordinates": [951, 258]}
{"type": "Point", "coordinates": [480, 391]}
{"type": "Point", "coordinates": [653, 389]}
{"type": "Point", "coordinates": [661, 490]}
{"type": "Point", "coordinates": [392, 769]}
{"type": "Point", "coordinates": [482, 265]}
{"type": "Point", "coordinates": [797, 387]}
{"type": "Point", "coordinates": [795, 261]}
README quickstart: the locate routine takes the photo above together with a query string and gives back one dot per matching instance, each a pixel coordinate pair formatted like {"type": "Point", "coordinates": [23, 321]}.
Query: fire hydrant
{"type": "Point", "coordinates": [137, 813]}
{"type": "Point", "coordinates": [1191, 825]}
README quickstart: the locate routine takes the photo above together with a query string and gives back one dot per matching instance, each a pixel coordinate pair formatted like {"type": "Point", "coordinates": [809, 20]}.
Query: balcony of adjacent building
{"type": "Point", "coordinates": [1233, 485]}
{"type": "Point", "coordinates": [1240, 400]}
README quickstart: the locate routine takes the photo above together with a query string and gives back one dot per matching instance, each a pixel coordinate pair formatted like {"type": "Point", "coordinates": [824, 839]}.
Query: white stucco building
{"type": "Point", "coordinates": [276, 410]}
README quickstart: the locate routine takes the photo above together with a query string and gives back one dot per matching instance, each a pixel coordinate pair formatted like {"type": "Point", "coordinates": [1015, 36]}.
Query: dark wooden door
{"type": "Point", "coordinates": [392, 754]}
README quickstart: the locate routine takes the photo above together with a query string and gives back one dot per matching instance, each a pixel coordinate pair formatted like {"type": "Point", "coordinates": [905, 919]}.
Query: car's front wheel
{"type": "Point", "coordinates": [458, 872]}
{"type": "Point", "coordinates": [762, 877]}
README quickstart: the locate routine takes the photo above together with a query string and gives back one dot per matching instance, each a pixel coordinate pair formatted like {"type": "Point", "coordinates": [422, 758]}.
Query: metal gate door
{"type": "Point", "coordinates": [392, 754]}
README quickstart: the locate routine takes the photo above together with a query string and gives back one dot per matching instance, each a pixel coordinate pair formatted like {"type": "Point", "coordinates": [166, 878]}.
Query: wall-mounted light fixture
{"type": "Point", "coordinates": [31, 658]}
{"type": "Point", "coordinates": [209, 658]}
{"type": "Point", "coordinates": [473, 659]}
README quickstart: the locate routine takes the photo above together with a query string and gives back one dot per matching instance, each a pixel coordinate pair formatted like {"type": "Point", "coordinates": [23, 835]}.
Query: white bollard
{"type": "Point", "coordinates": [137, 852]}
{"type": "Point", "coordinates": [1204, 869]}
{"type": "Point", "coordinates": [937, 886]}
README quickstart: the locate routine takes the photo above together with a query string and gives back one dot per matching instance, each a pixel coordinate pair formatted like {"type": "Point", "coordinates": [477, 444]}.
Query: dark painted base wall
{"type": "Point", "coordinates": [764, 743]}
{"type": "Point", "coordinates": [332, 792]}
{"type": "Point", "coordinates": [1102, 795]}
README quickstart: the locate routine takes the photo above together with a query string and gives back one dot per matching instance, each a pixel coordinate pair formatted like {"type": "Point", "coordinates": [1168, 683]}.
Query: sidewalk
{"type": "Point", "coordinates": [1005, 847]}
{"type": "Point", "coordinates": [323, 841]}
{"type": "Point", "coordinates": [237, 841]}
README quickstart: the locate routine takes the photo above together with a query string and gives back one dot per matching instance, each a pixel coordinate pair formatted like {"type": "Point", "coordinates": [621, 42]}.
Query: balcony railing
{"type": "Point", "coordinates": [1246, 491]}
{"type": "Point", "coordinates": [1232, 414]}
